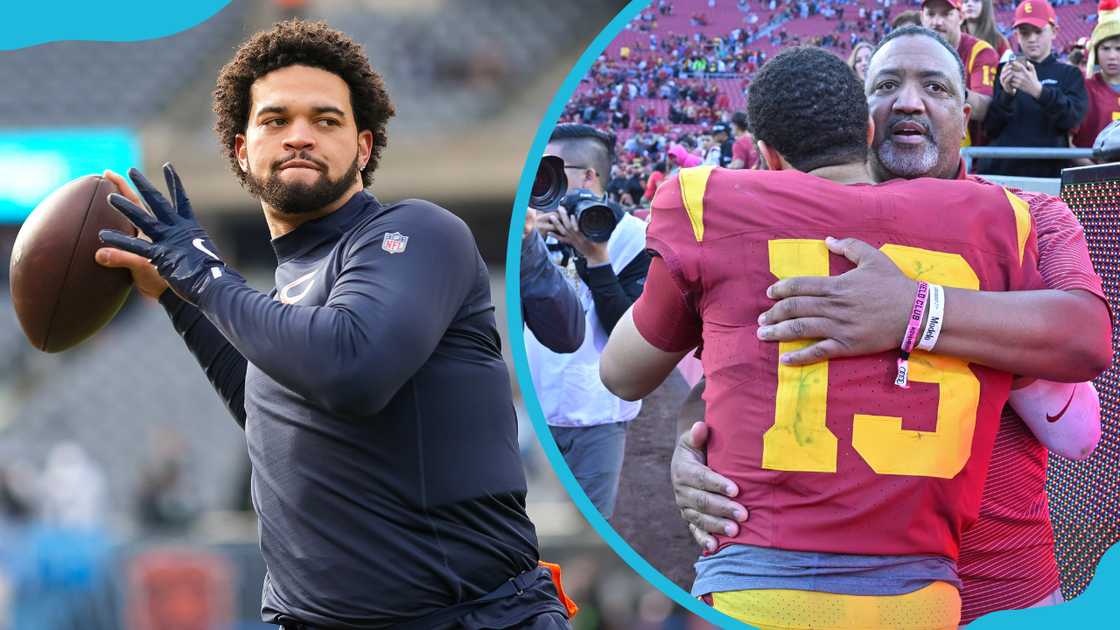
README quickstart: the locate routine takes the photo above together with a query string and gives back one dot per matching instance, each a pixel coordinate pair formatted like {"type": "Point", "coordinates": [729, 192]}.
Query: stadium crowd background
{"type": "Point", "coordinates": [685, 66]}
{"type": "Point", "coordinates": [123, 480]}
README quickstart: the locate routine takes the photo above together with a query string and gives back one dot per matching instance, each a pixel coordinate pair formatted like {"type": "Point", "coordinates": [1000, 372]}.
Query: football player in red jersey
{"type": "Point", "coordinates": [860, 490]}
{"type": "Point", "coordinates": [1007, 558]}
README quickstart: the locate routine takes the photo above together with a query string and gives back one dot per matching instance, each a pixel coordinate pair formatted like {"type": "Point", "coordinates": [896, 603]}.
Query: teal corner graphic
{"type": "Point", "coordinates": [1086, 611]}
{"type": "Point", "coordinates": [35, 23]}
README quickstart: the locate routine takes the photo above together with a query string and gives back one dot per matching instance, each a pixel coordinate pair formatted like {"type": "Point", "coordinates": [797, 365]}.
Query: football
{"type": "Point", "coordinates": [60, 294]}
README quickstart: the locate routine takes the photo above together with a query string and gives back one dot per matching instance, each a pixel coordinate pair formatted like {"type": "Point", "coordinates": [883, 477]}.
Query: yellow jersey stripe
{"type": "Point", "coordinates": [1022, 220]}
{"type": "Point", "coordinates": [694, 183]}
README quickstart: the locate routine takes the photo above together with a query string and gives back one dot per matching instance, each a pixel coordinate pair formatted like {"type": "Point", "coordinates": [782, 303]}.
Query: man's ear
{"type": "Point", "coordinates": [966, 110]}
{"type": "Point", "coordinates": [870, 131]}
{"type": "Point", "coordinates": [774, 160]}
{"type": "Point", "coordinates": [365, 147]}
{"type": "Point", "coordinates": [241, 152]}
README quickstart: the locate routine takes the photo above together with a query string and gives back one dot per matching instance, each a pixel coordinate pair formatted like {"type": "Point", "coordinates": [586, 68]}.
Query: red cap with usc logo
{"type": "Point", "coordinates": [1037, 13]}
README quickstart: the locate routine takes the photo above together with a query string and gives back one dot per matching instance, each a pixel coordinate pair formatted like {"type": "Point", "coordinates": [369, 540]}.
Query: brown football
{"type": "Point", "coordinates": [61, 295]}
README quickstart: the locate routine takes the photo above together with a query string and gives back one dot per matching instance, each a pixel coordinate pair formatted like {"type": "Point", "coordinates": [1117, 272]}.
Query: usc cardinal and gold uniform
{"type": "Point", "coordinates": [858, 490]}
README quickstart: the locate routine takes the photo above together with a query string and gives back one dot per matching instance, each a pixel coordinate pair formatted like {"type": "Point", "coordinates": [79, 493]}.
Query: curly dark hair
{"type": "Point", "coordinates": [809, 107]}
{"type": "Point", "coordinates": [299, 42]}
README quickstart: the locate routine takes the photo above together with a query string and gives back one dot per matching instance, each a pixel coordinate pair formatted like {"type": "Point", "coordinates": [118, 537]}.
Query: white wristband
{"type": "Point", "coordinates": [936, 317]}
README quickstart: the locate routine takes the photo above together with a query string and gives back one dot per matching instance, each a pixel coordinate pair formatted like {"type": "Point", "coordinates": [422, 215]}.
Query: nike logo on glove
{"type": "Point", "coordinates": [202, 248]}
{"type": "Point", "coordinates": [214, 271]}
{"type": "Point", "coordinates": [1050, 418]}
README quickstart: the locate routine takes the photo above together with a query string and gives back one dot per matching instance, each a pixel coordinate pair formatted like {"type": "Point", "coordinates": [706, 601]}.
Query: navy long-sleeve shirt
{"type": "Point", "coordinates": [378, 415]}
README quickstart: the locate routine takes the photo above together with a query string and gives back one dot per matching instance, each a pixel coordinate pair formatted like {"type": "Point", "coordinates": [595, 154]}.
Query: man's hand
{"type": "Point", "coordinates": [1027, 80]}
{"type": "Point", "coordinates": [566, 230]}
{"type": "Point", "coordinates": [530, 223]}
{"type": "Point", "coordinates": [702, 495]}
{"type": "Point", "coordinates": [180, 249]}
{"type": "Point", "coordinates": [144, 274]}
{"type": "Point", "coordinates": [1006, 77]}
{"type": "Point", "coordinates": [860, 312]}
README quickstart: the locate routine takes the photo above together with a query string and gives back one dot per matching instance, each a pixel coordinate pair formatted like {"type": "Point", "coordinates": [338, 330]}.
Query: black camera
{"type": "Point", "coordinates": [595, 218]}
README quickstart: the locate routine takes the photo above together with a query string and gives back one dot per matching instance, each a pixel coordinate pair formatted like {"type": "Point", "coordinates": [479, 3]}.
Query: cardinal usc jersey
{"type": "Point", "coordinates": [833, 457]}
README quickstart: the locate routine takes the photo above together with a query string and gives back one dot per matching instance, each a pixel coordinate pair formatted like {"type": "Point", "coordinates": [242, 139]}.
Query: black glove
{"type": "Point", "coordinates": [180, 249]}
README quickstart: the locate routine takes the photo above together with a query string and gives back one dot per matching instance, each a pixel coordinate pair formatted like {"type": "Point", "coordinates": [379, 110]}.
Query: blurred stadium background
{"type": "Point", "coordinates": [123, 481]}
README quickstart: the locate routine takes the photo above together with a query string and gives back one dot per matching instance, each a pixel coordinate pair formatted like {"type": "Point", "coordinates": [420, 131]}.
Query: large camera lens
{"type": "Point", "coordinates": [594, 217]}
{"type": "Point", "coordinates": [596, 221]}
{"type": "Point", "coordinates": [549, 185]}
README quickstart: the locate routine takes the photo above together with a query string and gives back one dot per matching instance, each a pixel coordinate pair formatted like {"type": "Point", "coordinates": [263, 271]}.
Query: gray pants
{"type": "Point", "coordinates": [594, 455]}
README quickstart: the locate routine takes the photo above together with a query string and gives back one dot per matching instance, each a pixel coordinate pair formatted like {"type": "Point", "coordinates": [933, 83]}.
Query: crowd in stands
{"type": "Point", "coordinates": [685, 66]}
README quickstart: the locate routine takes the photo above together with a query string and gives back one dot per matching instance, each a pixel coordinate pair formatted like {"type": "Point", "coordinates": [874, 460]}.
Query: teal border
{"type": "Point", "coordinates": [517, 335]}
{"type": "Point", "coordinates": [33, 23]}
{"type": "Point", "coordinates": [1085, 611]}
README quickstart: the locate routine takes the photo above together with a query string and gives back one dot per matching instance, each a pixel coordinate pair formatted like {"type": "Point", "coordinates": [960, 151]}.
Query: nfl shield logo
{"type": "Point", "coordinates": [394, 243]}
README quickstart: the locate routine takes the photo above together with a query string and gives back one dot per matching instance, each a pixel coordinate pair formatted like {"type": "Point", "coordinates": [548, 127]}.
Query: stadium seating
{"type": "Point", "coordinates": [132, 380]}
{"type": "Point", "coordinates": [474, 55]}
{"type": "Point", "coordinates": [62, 84]}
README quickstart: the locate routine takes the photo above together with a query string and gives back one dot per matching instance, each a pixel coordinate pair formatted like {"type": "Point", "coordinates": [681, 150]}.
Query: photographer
{"type": "Point", "coordinates": [588, 422]}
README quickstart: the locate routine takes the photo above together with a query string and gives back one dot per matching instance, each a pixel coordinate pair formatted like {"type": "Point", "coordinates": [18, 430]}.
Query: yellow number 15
{"type": "Point", "coordinates": [799, 439]}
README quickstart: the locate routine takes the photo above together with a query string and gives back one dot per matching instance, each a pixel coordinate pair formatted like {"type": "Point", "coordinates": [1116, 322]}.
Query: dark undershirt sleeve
{"type": "Point", "coordinates": [223, 364]}
{"type": "Point", "coordinates": [383, 319]}
{"type": "Point", "coordinates": [612, 294]}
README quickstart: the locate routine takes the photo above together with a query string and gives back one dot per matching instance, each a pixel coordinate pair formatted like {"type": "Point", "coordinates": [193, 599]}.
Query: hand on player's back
{"type": "Point", "coordinates": [701, 493]}
{"type": "Point", "coordinates": [860, 312]}
{"type": "Point", "coordinates": [144, 275]}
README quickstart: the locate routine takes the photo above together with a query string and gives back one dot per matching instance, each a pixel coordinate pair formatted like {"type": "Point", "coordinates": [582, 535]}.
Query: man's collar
{"type": "Point", "coordinates": [312, 233]}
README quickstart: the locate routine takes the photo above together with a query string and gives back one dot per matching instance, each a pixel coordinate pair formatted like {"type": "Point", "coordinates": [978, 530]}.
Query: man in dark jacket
{"type": "Point", "coordinates": [1038, 100]}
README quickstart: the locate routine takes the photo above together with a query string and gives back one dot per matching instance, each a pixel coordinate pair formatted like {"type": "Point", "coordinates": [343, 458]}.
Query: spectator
{"type": "Point", "coordinates": [905, 18]}
{"type": "Point", "coordinates": [655, 178]}
{"type": "Point", "coordinates": [980, 59]}
{"type": "Point", "coordinates": [679, 157]}
{"type": "Point", "coordinates": [719, 149]}
{"type": "Point", "coordinates": [1078, 56]}
{"type": "Point", "coordinates": [857, 61]}
{"type": "Point", "coordinates": [1104, 85]}
{"type": "Point", "coordinates": [1026, 112]}
{"type": "Point", "coordinates": [979, 21]}
{"type": "Point", "coordinates": [743, 153]}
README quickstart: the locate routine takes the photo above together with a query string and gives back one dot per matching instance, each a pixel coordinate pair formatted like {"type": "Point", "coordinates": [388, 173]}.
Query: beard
{"type": "Point", "coordinates": [300, 198]}
{"type": "Point", "coordinates": [907, 161]}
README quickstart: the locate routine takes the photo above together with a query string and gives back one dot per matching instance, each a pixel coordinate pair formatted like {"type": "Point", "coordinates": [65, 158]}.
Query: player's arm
{"type": "Point", "coordinates": [221, 362]}
{"type": "Point", "coordinates": [383, 319]}
{"type": "Point", "coordinates": [650, 339]}
{"type": "Point", "coordinates": [550, 306]}
{"type": "Point", "coordinates": [1059, 335]}
{"type": "Point", "coordinates": [1065, 417]}
{"type": "Point", "coordinates": [223, 365]}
